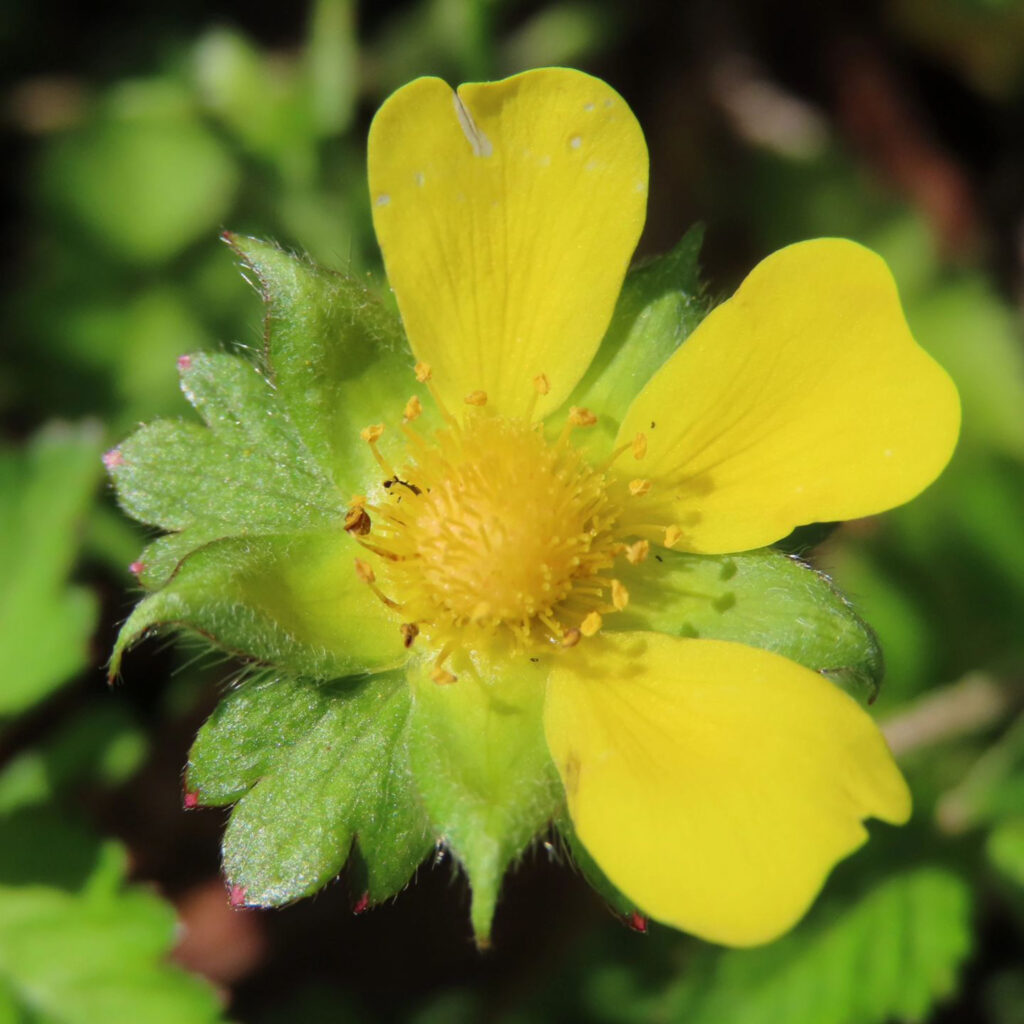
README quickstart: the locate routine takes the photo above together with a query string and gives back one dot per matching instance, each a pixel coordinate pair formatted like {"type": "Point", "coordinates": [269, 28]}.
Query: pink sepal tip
{"type": "Point", "coordinates": [237, 896]}
{"type": "Point", "coordinates": [637, 922]}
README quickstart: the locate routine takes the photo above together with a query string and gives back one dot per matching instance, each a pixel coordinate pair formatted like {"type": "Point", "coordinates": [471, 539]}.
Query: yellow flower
{"type": "Point", "coordinates": [714, 783]}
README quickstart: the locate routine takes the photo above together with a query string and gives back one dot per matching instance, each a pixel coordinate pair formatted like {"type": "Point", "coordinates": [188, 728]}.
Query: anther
{"type": "Point", "coordinates": [638, 552]}
{"type": "Point", "coordinates": [478, 398]}
{"type": "Point", "coordinates": [571, 637]}
{"type": "Point", "coordinates": [591, 624]}
{"type": "Point", "coordinates": [639, 487]}
{"type": "Point", "coordinates": [620, 595]}
{"type": "Point", "coordinates": [372, 433]}
{"type": "Point", "coordinates": [409, 633]}
{"type": "Point", "coordinates": [442, 676]}
{"type": "Point", "coordinates": [580, 417]}
{"type": "Point", "coordinates": [541, 384]}
{"type": "Point", "coordinates": [423, 372]}
{"type": "Point", "coordinates": [364, 572]}
{"type": "Point", "coordinates": [639, 446]}
{"type": "Point", "coordinates": [672, 535]}
{"type": "Point", "coordinates": [412, 410]}
{"type": "Point", "coordinates": [357, 521]}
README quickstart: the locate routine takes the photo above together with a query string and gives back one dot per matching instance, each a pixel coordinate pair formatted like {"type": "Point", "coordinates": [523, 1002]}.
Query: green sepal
{"type": "Point", "coordinates": [481, 764]}
{"type": "Point", "coordinates": [250, 732]}
{"type": "Point", "coordinates": [762, 598]}
{"type": "Point", "coordinates": [661, 302]}
{"type": "Point", "coordinates": [290, 600]}
{"type": "Point", "coordinates": [337, 357]}
{"type": "Point", "coordinates": [341, 773]}
{"type": "Point", "coordinates": [246, 472]}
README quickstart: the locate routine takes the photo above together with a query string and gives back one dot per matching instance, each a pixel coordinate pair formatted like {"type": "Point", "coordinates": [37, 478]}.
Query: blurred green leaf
{"type": "Point", "coordinates": [332, 64]}
{"type": "Point", "coordinates": [889, 956]}
{"type": "Point", "coordinates": [1005, 848]}
{"type": "Point", "coordinates": [144, 177]}
{"type": "Point", "coordinates": [45, 625]}
{"type": "Point", "coordinates": [340, 773]}
{"type": "Point", "coordinates": [76, 946]}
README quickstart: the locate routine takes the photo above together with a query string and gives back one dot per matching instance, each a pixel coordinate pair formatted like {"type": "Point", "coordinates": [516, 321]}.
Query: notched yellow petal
{"type": "Point", "coordinates": [807, 400]}
{"type": "Point", "coordinates": [507, 214]}
{"type": "Point", "coordinates": [716, 785]}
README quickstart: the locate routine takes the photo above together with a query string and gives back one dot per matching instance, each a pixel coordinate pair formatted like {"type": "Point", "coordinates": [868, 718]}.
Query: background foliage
{"type": "Point", "coordinates": [137, 137]}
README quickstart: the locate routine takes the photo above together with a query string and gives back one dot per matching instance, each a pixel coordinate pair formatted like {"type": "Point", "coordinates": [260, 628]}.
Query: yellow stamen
{"type": "Point", "coordinates": [637, 552]}
{"type": "Point", "coordinates": [442, 676]}
{"type": "Point", "coordinates": [590, 624]}
{"type": "Point", "coordinates": [357, 521]}
{"type": "Point", "coordinates": [620, 595]}
{"type": "Point", "coordinates": [364, 572]}
{"type": "Point", "coordinates": [672, 536]}
{"type": "Point", "coordinates": [413, 409]}
{"type": "Point", "coordinates": [541, 384]}
{"type": "Point", "coordinates": [423, 372]}
{"type": "Point", "coordinates": [409, 633]}
{"type": "Point", "coordinates": [580, 417]}
{"type": "Point", "coordinates": [639, 487]}
{"type": "Point", "coordinates": [372, 433]}
{"type": "Point", "coordinates": [478, 398]}
{"type": "Point", "coordinates": [639, 446]}
{"type": "Point", "coordinates": [571, 637]}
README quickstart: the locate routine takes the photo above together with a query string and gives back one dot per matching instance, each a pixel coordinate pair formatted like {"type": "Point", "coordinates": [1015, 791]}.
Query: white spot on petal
{"type": "Point", "coordinates": [588, 107]}
{"type": "Point", "coordinates": [545, 160]}
{"type": "Point", "coordinates": [481, 144]}
{"type": "Point", "coordinates": [887, 453]}
{"type": "Point", "coordinates": [383, 199]}
{"type": "Point", "coordinates": [576, 141]}
{"type": "Point", "coordinates": [608, 103]}
{"type": "Point", "coordinates": [420, 178]}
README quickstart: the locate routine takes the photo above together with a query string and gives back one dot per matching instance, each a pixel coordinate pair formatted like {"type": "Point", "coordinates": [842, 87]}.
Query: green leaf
{"type": "Point", "coordinates": [1005, 848]}
{"type": "Point", "coordinates": [337, 358]}
{"type": "Point", "coordinates": [481, 764]}
{"type": "Point", "coordinates": [889, 956]}
{"type": "Point", "coordinates": [145, 177]}
{"type": "Point", "coordinates": [762, 598]}
{"type": "Point", "coordinates": [246, 472]}
{"type": "Point", "coordinates": [335, 771]}
{"type": "Point", "coordinates": [76, 946]}
{"type": "Point", "coordinates": [45, 625]}
{"type": "Point", "coordinates": [661, 302]}
{"type": "Point", "coordinates": [291, 600]}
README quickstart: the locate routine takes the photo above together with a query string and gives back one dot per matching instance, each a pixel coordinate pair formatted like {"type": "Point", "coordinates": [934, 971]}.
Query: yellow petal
{"type": "Point", "coordinates": [507, 216]}
{"type": "Point", "coordinates": [715, 784]}
{"type": "Point", "coordinates": [802, 399]}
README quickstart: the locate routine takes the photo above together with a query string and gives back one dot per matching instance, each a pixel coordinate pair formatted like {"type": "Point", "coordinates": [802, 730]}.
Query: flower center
{"type": "Point", "coordinates": [491, 532]}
